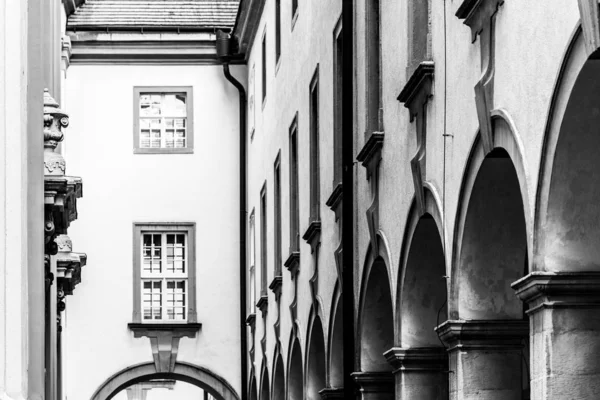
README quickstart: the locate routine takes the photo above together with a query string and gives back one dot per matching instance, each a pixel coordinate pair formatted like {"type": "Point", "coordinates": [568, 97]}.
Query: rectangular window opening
{"type": "Point", "coordinates": [263, 241]}
{"type": "Point", "coordinates": [277, 204]}
{"type": "Point", "coordinates": [314, 148]}
{"type": "Point", "coordinates": [337, 104]}
{"type": "Point", "coordinates": [294, 205]}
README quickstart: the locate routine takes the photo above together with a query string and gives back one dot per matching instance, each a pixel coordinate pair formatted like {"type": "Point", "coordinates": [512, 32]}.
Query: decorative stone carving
{"type": "Point", "coordinates": [164, 341]}
{"type": "Point", "coordinates": [415, 95]}
{"type": "Point", "coordinates": [54, 121]}
{"type": "Point", "coordinates": [480, 16]}
{"type": "Point", "coordinates": [334, 202]}
{"type": "Point", "coordinates": [251, 322]}
{"type": "Point", "coordinates": [68, 264]}
{"type": "Point", "coordinates": [65, 55]}
{"type": "Point", "coordinates": [313, 235]}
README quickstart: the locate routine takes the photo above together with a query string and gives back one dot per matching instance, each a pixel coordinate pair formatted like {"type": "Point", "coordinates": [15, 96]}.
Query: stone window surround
{"type": "Point", "coordinates": [190, 229]}
{"type": "Point", "coordinates": [137, 91]}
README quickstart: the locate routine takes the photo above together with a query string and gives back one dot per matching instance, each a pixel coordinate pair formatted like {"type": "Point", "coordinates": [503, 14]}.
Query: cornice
{"type": "Point", "coordinates": [419, 81]}
{"type": "Point", "coordinates": [483, 334]}
{"type": "Point", "coordinates": [263, 304]}
{"type": "Point", "coordinates": [293, 262]}
{"type": "Point", "coordinates": [335, 199]}
{"type": "Point", "coordinates": [417, 359]}
{"type": "Point", "coordinates": [246, 24]}
{"type": "Point", "coordinates": [312, 236]}
{"type": "Point", "coordinates": [276, 285]}
{"type": "Point", "coordinates": [92, 47]}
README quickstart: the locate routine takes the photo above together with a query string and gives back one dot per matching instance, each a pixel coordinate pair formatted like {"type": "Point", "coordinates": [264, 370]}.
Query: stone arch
{"type": "Point", "coordinates": [569, 182]}
{"type": "Point", "coordinates": [252, 391]}
{"type": "Point", "coordinates": [335, 348]}
{"type": "Point", "coordinates": [376, 314]}
{"type": "Point", "coordinates": [205, 379]}
{"type": "Point", "coordinates": [295, 378]}
{"type": "Point", "coordinates": [485, 173]}
{"type": "Point", "coordinates": [315, 358]}
{"type": "Point", "coordinates": [278, 387]}
{"type": "Point", "coordinates": [421, 300]}
{"type": "Point", "coordinates": [264, 383]}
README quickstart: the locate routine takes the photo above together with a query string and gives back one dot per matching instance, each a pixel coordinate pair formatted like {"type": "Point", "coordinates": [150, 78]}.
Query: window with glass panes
{"type": "Point", "coordinates": [164, 276]}
{"type": "Point", "coordinates": [163, 120]}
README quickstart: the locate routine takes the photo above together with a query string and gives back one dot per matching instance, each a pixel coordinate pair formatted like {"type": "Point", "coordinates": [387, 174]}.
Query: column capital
{"type": "Point", "coordinates": [417, 359]}
{"type": "Point", "coordinates": [374, 382]}
{"type": "Point", "coordinates": [483, 334]}
{"type": "Point", "coordinates": [332, 393]}
{"type": "Point", "coordinates": [559, 289]}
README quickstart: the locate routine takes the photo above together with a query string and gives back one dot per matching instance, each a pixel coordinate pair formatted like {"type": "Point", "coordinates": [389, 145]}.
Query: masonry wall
{"type": "Point", "coordinates": [123, 188]}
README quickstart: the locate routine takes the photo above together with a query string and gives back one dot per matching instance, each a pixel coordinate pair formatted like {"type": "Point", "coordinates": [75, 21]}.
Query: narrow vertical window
{"type": "Point", "coordinates": [251, 101]}
{"type": "Point", "coordinates": [419, 48]}
{"type": "Point", "coordinates": [277, 30]}
{"type": "Point", "coordinates": [263, 241]}
{"type": "Point", "coordinates": [337, 104]}
{"type": "Point", "coordinates": [373, 68]}
{"type": "Point", "coordinates": [314, 148]}
{"type": "Point", "coordinates": [277, 204]}
{"type": "Point", "coordinates": [294, 204]}
{"type": "Point", "coordinates": [294, 8]}
{"type": "Point", "coordinates": [264, 67]}
{"type": "Point", "coordinates": [252, 270]}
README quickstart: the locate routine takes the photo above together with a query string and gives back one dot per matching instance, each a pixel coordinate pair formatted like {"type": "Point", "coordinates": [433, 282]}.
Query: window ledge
{"type": "Point", "coordinates": [370, 154]}
{"type": "Point", "coordinates": [276, 284]}
{"type": "Point", "coordinates": [335, 199]}
{"type": "Point", "coordinates": [163, 151]}
{"type": "Point", "coordinates": [251, 320]}
{"type": "Point", "coordinates": [293, 262]}
{"type": "Point", "coordinates": [312, 236]}
{"type": "Point", "coordinates": [188, 329]}
{"type": "Point", "coordinates": [263, 304]}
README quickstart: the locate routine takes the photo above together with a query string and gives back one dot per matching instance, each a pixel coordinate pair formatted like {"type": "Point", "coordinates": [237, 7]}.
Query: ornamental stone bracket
{"type": "Point", "coordinates": [334, 202]}
{"type": "Point", "coordinates": [483, 334]}
{"type": "Point", "coordinates": [164, 341]}
{"type": "Point", "coordinates": [480, 16]}
{"type": "Point", "coordinates": [590, 24]}
{"type": "Point", "coordinates": [65, 54]}
{"type": "Point", "coordinates": [419, 359]}
{"type": "Point", "coordinates": [415, 95]}
{"type": "Point", "coordinates": [68, 265]}
{"type": "Point", "coordinates": [60, 192]}
{"type": "Point", "coordinates": [370, 154]}
{"type": "Point", "coordinates": [312, 236]}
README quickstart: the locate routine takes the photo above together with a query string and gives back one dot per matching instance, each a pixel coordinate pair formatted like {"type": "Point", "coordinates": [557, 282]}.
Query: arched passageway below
{"type": "Point", "coordinates": [278, 380]}
{"type": "Point", "coordinates": [295, 377]}
{"type": "Point", "coordinates": [264, 386]}
{"type": "Point", "coordinates": [336, 349]}
{"type": "Point", "coordinates": [315, 371]}
{"type": "Point", "coordinates": [492, 329]}
{"type": "Point", "coordinates": [252, 390]}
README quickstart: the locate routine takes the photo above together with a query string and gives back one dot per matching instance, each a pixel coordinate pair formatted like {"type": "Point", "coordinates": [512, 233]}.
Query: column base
{"type": "Point", "coordinates": [421, 373]}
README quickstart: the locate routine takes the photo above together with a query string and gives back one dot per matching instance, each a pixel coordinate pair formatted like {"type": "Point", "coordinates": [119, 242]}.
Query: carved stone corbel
{"type": "Point", "coordinates": [68, 264]}
{"type": "Point", "coordinates": [164, 341]}
{"type": "Point", "coordinates": [480, 16]}
{"type": "Point", "coordinates": [415, 95]}
{"type": "Point", "coordinates": [590, 24]}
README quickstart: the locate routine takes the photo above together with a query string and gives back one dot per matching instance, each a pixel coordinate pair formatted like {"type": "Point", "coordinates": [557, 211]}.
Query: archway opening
{"type": "Point", "coordinates": [571, 231]}
{"type": "Point", "coordinates": [252, 393]}
{"type": "Point", "coordinates": [336, 350]}
{"type": "Point", "coordinates": [377, 320]}
{"type": "Point", "coordinates": [162, 389]}
{"type": "Point", "coordinates": [494, 246]}
{"type": "Point", "coordinates": [315, 379]}
{"type": "Point", "coordinates": [264, 386]}
{"type": "Point", "coordinates": [424, 291]}
{"type": "Point", "coordinates": [278, 380]}
{"type": "Point", "coordinates": [295, 377]}
{"type": "Point", "coordinates": [493, 255]}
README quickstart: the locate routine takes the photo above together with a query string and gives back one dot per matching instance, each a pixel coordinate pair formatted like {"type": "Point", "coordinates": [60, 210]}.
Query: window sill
{"type": "Point", "coordinates": [312, 236]}
{"type": "Point", "coordinates": [335, 198]}
{"type": "Point", "coordinates": [293, 262]}
{"type": "Point", "coordinates": [163, 151]}
{"type": "Point", "coordinates": [150, 329]}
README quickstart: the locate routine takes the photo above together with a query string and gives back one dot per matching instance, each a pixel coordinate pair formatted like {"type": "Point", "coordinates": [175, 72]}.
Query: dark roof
{"type": "Point", "coordinates": [156, 14]}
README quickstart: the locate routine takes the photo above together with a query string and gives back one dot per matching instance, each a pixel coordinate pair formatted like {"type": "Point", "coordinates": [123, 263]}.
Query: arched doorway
{"type": "Point", "coordinates": [295, 377]}
{"type": "Point", "coordinates": [315, 363]}
{"type": "Point", "coordinates": [162, 389]}
{"type": "Point", "coordinates": [489, 325]}
{"type": "Point", "coordinates": [376, 330]}
{"type": "Point", "coordinates": [422, 359]}
{"type": "Point", "coordinates": [195, 375]}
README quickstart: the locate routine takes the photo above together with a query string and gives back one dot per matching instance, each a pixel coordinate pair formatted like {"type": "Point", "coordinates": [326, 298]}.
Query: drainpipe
{"type": "Point", "coordinates": [223, 53]}
{"type": "Point", "coordinates": [348, 158]}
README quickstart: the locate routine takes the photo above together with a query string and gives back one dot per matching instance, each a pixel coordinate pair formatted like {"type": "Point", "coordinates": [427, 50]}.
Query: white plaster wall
{"type": "Point", "coordinates": [308, 44]}
{"type": "Point", "coordinates": [121, 188]}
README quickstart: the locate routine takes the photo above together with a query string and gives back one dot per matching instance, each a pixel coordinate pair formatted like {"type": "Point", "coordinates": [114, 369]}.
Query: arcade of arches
{"type": "Point", "coordinates": [506, 314]}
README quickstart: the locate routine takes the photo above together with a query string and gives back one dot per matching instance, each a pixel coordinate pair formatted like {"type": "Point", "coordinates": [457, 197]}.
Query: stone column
{"type": "Point", "coordinates": [564, 315]}
{"type": "Point", "coordinates": [375, 385]}
{"type": "Point", "coordinates": [421, 373]}
{"type": "Point", "coordinates": [485, 358]}
{"type": "Point", "coordinates": [332, 393]}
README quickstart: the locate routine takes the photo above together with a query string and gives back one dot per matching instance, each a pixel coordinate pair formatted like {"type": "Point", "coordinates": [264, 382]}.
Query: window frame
{"type": "Point", "coordinates": [337, 102]}
{"type": "Point", "coordinates": [252, 264]}
{"type": "Point", "coordinates": [294, 187]}
{"type": "Point", "coordinates": [189, 228]}
{"type": "Point", "coordinates": [188, 90]}
{"type": "Point", "coordinates": [314, 145]}
{"type": "Point", "coordinates": [278, 256]}
{"type": "Point", "coordinates": [264, 68]}
{"type": "Point", "coordinates": [264, 265]}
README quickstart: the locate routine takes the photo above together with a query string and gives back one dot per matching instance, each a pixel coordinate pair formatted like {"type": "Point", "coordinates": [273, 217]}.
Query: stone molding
{"type": "Point", "coordinates": [276, 285]}
{"type": "Point", "coordinates": [332, 393]}
{"type": "Point", "coordinates": [461, 335]}
{"type": "Point", "coordinates": [68, 265]}
{"type": "Point", "coordinates": [542, 290]}
{"type": "Point", "coordinates": [65, 53]}
{"type": "Point", "coordinates": [293, 262]}
{"type": "Point", "coordinates": [164, 341]}
{"type": "Point", "coordinates": [312, 236]}
{"type": "Point", "coordinates": [417, 359]}
{"type": "Point", "coordinates": [415, 95]}
{"type": "Point", "coordinates": [370, 154]}
{"type": "Point", "coordinates": [263, 304]}
{"type": "Point", "coordinates": [334, 201]}
{"type": "Point", "coordinates": [374, 382]}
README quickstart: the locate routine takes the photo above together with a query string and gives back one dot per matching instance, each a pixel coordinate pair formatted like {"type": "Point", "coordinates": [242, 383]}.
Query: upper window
{"type": "Point", "coordinates": [163, 120]}
{"type": "Point", "coordinates": [164, 273]}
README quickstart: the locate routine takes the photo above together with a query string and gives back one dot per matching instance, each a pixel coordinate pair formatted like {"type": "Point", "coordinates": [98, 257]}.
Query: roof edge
{"type": "Point", "coordinates": [246, 24]}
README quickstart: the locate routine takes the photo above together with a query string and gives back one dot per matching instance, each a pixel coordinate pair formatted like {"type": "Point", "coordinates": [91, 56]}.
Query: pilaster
{"type": "Point", "coordinates": [485, 358]}
{"type": "Point", "coordinates": [421, 373]}
{"type": "Point", "coordinates": [564, 315]}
